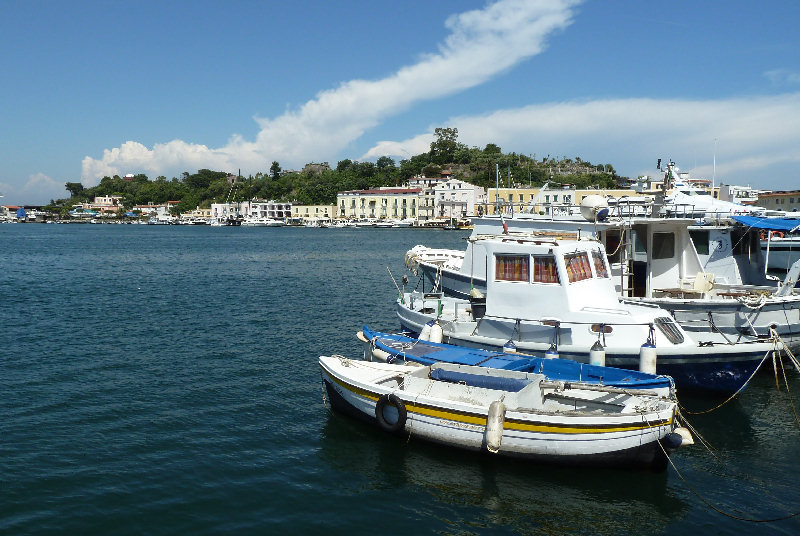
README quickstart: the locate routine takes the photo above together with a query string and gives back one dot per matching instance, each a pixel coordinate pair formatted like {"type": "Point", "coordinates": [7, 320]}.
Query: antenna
{"type": "Point", "coordinates": [714, 173]}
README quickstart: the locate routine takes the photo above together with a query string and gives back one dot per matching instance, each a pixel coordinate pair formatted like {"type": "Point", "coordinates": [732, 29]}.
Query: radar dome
{"type": "Point", "coordinates": [594, 207]}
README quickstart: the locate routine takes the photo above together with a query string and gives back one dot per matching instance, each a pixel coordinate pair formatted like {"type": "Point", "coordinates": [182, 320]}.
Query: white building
{"type": "Point", "coordinates": [454, 198]}
{"type": "Point", "coordinates": [744, 195]}
{"type": "Point", "coordinates": [257, 208]}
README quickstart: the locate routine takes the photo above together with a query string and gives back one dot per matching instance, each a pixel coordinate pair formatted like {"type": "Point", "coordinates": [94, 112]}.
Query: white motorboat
{"type": "Point", "coordinates": [509, 413]}
{"type": "Point", "coordinates": [261, 222]}
{"type": "Point", "coordinates": [544, 293]}
{"type": "Point", "coordinates": [709, 276]}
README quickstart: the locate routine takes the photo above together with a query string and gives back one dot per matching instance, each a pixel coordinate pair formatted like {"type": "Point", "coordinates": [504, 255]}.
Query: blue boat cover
{"type": "Point", "coordinates": [771, 224]}
{"type": "Point", "coordinates": [479, 380]}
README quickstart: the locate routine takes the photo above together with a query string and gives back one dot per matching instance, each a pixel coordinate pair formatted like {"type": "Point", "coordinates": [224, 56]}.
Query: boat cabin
{"type": "Point", "coordinates": [532, 274]}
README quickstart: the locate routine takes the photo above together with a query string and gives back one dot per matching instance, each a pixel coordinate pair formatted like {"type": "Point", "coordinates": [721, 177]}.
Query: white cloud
{"type": "Point", "coordinates": [481, 44]}
{"type": "Point", "coordinates": [754, 135]}
{"type": "Point", "coordinates": [781, 77]}
{"type": "Point", "coordinates": [43, 187]}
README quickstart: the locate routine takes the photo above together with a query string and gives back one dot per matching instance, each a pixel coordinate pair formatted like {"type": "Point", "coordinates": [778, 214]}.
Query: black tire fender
{"type": "Point", "coordinates": [402, 414]}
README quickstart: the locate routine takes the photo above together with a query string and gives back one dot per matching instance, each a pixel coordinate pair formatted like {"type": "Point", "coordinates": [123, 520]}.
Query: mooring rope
{"type": "Point", "coordinates": [708, 503]}
{"type": "Point", "coordinates": [734, 395]}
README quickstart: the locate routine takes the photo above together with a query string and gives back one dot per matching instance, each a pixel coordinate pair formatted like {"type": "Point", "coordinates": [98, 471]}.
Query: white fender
{"type": "Point", "coordinates": [597, 355]}
{"type": "Point", "coordinates": [436, 333]}
{"type": "Point", "coordinates": [647, 358]}
{"type": "Point", "coordinates": [494, 425]}
{"type": "Point", "coordinates": [425, 334]}
{"type": "Point", "coordinates": [686, 436]}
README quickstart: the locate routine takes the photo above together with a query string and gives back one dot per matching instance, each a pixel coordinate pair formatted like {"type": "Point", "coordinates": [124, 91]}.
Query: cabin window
{"type": "Point", "coordinates": [600, 267]}
{"type": "Point", "coordinates": [700, 239]}
{"type": "Point", "coordinates": [578, 267]}
{"type": "Point", "coordinates": [663, 245]}
{"type": "Point", "coordinates": [544, 269]}
{"type": "Point", "coordinates": [511, 268]}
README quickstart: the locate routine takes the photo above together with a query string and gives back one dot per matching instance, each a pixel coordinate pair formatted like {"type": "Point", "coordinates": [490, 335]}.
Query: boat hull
{"type": "Point", "coordinates": [712, 368]}
{"type": "Point", "coordinates": [627, 441]}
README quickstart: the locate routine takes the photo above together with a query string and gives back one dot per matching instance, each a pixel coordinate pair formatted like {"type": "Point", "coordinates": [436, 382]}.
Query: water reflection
{"type": "Point", "coordinates": [489, 491]}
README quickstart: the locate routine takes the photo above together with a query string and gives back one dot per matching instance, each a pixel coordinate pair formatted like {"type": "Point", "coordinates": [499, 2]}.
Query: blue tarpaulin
{"type": "Point", "coordinates": [771, 224]}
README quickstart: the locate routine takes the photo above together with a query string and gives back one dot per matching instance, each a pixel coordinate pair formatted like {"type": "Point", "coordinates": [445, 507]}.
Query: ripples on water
{"type": "Point", "coordinates": [162, 380]}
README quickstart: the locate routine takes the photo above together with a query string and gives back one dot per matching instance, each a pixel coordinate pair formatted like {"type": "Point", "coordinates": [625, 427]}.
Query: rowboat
{"type": "Point", "coordinates": [507, 413]}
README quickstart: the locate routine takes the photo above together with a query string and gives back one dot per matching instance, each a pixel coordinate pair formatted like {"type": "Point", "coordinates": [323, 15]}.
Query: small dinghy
{"type": "Point", "coordinates": [509, 413]}
{"type": "Point", "coordinates": [398, 348]}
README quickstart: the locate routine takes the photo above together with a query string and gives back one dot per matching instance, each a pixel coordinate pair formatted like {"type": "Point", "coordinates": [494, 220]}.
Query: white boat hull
{"type": "Point", "coordinates": [586, 438]}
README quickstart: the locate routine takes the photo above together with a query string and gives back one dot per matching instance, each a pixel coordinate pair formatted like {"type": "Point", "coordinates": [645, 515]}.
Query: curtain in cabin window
{"type": "Point", "coordinates": [511, 268]}
{"type": "Point", "coordinates": [578, 267]}
{"type": "Point", "coordinates": [544, 270]}
{"type": "Point", "coordinates": [599, 264]}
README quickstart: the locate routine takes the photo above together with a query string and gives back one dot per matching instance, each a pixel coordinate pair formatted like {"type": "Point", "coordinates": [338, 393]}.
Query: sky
{"type": "Point", "coordinates": [111, 87]}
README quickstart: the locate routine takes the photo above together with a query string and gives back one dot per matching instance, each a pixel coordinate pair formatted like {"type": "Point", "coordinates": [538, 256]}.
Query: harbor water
{"type": "Point", "coordinates": [164, 380]}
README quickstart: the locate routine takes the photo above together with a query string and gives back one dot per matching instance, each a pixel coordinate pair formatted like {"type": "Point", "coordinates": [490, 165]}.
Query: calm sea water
{"type": "Point", "coordinates": [164, 380]}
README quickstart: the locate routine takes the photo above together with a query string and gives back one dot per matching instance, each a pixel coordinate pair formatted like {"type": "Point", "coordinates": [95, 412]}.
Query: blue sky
{"type": "Point", "coordinates": [109, 87]}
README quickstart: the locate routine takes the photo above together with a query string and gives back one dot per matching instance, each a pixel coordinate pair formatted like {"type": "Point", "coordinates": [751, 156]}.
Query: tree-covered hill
{"type": "Point", "coordinates": [315, 186]}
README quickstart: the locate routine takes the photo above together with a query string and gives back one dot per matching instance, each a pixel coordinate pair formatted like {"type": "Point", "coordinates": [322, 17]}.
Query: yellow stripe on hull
{"type": "Point", "coordinates": [510, 424]}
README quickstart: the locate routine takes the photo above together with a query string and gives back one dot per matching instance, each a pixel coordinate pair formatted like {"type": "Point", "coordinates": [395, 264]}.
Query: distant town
{"type": "Point", "coordinates": [446, 186]}
{"type": "Point", "coordinates": [422, 201]}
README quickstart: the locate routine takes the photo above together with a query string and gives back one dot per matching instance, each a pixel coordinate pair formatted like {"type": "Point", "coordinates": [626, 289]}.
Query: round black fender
{"type": "Point", "coordinates": [402, 414]}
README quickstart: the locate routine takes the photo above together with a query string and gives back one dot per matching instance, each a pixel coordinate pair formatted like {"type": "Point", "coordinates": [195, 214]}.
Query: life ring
{"type": "Point", "coordinates": [402, 414]}
{"type": "Point", "coordinates": [772, 234]}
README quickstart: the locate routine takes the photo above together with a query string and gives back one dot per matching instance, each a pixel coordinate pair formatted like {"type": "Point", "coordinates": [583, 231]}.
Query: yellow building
{"type": "Point", "coordinates": [544, 201]}
{"type": "Point", "coordinates": [379, 204]}
{"type": "Point", "coordinates": [313, 213]}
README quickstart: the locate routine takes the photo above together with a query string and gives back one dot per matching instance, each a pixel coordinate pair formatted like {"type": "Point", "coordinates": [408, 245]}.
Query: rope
{"type": "Point", "coordinates": [709, 504]}
{"type": "Point", "coordinates": [750, 303]}
{"type": "Point", "coordinates": [734, 395]}
{"type": "Point", "coordinates": [717, 509]}
{"type": "Point", "coordinates": [794, 361]}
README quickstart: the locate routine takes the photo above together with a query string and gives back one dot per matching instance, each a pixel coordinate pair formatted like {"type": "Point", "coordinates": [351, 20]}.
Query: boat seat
{"type": "Point", "coordinates": [701, 285]}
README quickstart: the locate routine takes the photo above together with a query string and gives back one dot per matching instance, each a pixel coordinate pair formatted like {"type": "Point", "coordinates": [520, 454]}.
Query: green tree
{"type": "Point", "coordinates": [275, 170]}
{"type": "Point", "coordinates": [444, 146]}
{"type": "Point", "coordinates": [75, 189]}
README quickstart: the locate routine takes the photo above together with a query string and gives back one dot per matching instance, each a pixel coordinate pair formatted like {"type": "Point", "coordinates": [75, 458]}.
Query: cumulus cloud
{"type": "Point", "coordinates": [752, 135]}
{"type": "Point", "coordinates": [480, 44]}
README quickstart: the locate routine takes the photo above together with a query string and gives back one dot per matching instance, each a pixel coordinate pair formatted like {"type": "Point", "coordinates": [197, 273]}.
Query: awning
{"type": "Point", "coordinates": [772, 224]}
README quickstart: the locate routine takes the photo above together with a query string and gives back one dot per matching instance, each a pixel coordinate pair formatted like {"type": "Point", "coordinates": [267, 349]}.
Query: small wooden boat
{"type": "Point", "coordinates": [509, 413]}
{"type": "Point", "coordinates": [391, 348]}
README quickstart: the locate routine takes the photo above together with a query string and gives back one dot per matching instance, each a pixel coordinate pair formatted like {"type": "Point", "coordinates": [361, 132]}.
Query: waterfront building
{"type": "Point", "coordinates": [785, 200]}
{"type": "Point", "coordinates": [380, 204]}
{"type": "Point", "coordinates": [313, 213]}
{"type": "Point", "coordinates": [162, 210]}
{"type": "Point", "coordinates": [454, 198]}
{"type": "Point", "coordinates": [256, 208]}
{"type": "Point", "coordinates": [101, 205]}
